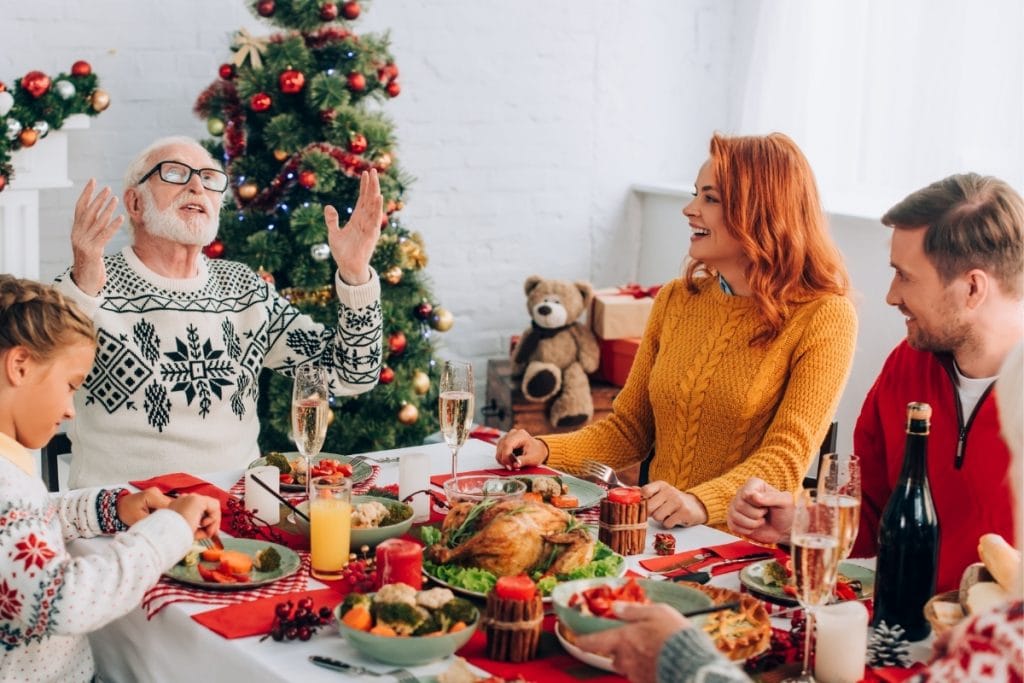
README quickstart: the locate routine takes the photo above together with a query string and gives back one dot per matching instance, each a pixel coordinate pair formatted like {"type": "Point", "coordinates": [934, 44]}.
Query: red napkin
{"type": "Point", "coordinates": [488, 434]}
{"type": "Point", "coordinates": [892, 674]}
{"type": "Point", "coordinates": [729, 551]}
{"type": "Point", "coordinates": [256, 617]}
{"type": "Point", "coordinates": [181, 482]}
{"type": "Point", "coordinates": [440, 479]}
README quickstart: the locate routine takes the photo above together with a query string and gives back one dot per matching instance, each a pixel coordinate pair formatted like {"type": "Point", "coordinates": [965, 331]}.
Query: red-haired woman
{"type": "Point", "coordinates": [743, 359]}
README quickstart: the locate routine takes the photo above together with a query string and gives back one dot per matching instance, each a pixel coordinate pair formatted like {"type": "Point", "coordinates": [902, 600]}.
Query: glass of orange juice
{"type": "Point", "coordinates": [330, 526]}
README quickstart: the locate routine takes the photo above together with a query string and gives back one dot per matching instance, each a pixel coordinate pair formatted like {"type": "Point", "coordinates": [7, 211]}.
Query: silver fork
{"type": "Point", "coordinates": [598, 471]}
{"type": "Point", "coordinates": [366, 458]}
{"type": "Point", "coordinates": [402, 675]}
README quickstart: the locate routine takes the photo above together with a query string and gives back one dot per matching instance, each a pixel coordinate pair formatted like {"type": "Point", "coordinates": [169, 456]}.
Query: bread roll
{"type": "Point", "coordinates": [984, 596]}
{"type": "Point", "coordinates": [1001, 559]}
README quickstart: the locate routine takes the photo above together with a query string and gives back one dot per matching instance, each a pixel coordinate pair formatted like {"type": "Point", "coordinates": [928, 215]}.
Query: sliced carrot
{"type": "Point", "coordinates": [212, 554]}
{"type": "Point", "coordinates": [533, 496]}
{"type": "Point", "coordinates": [234, 562]}
{"type": "Point", "coordinates": [382, 630]}
{"type": "Point", "coordinates": [358, 618]}
{"type": "Point", "coordinates": [457, 626]}
{"type": "Point", "coordinates": [565, 501]}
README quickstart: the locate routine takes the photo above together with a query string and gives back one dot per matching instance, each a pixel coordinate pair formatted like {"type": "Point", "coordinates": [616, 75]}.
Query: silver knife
{"type": "Point", "coordinates": [336, 665]}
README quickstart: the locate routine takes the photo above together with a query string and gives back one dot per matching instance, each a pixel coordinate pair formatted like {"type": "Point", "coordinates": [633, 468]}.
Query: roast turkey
{"type": "Point", "coordinates": [512, 537]}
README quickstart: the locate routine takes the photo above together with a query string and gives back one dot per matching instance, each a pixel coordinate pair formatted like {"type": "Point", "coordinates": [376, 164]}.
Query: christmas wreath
{"type": "Point", "coordinates": [38, 104]}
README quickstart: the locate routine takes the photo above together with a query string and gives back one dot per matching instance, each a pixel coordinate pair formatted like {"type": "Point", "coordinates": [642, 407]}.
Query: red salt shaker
{"type": "Point", "coordinates": [400, 561]}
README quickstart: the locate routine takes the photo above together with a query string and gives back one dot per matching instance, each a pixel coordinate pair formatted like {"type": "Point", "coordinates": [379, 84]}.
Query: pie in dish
{"type": "Point", "coordinates": [737, 633]}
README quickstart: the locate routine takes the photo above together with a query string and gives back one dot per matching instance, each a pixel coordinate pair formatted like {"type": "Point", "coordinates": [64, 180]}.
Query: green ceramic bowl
{"type": "Point", "coordinates": [361, 537]}
{"type": "Point", "coordinates": [682, 598]}
{"type": "Point", "coordinates": [405, 651]}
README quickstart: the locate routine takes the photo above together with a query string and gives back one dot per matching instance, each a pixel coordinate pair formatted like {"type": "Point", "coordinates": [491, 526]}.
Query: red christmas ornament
{"type": "Point", "coordinates": [265, 275]}
{"type": "Point", "coordinates": [424, 310]}
{"type": "Point", "coordinates": [260, 102]}
{"type": "Point", "coordinates": [2, 86]}
{"type": "Point", "coordinates": [357, 143]}
{"type": "Point", "coordinates": [356, 82]}
{"type": "Point", "coordinates": [351, 10]}
{"type": "Point", "coordinates": [328, 115]}
{"type": "Point", "coordinates": [214, 249]}
{"type": "Point", "coordinates": [291, 81]}
{"type": "Point", "coordinates": [307, 179]}
{"type": "Point", "coordinates": [388, 72]}
{"type": "Point", "coordinates": [266, 8]}
{"type": "Point", "coordinates": [328, 12]}
{"type": "Point", "coordinates": [393, 88]}
{"type": "Point", "coordinates": [387, 375]}
{"type": "Point", "coordinates": [81, 68]}
{"type": "Point", "coordinates": [35, 83]}
{"type": "Point", "coordinates": [396, 343]}
{"type": "Point", "coordinates": [226, 71]}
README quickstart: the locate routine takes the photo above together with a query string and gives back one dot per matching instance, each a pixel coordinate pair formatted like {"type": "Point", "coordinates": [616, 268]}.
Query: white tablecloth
{"type": "Point", "coordinates": [173, 647]}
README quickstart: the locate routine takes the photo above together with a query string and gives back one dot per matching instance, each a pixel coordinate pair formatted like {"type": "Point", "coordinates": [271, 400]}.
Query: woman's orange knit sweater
{"type": "Point", "coordinates": [715, 409]}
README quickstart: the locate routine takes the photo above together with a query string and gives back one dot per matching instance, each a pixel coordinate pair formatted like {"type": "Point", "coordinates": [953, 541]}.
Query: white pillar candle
{"type": "Point", "coordinates": [842, 642]}
{"type": "Point", "coordinates": [414, 475]}
{"type": "Point", "coordinates": [258, 500]}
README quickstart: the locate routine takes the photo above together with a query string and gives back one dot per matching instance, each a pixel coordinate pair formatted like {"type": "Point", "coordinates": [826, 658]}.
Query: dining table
{"type": "Point", "coordinates": [172, 646]}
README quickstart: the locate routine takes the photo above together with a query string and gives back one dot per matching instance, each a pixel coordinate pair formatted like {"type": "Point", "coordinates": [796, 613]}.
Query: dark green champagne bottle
{"type": "Point", "coordinates": [908, 538]}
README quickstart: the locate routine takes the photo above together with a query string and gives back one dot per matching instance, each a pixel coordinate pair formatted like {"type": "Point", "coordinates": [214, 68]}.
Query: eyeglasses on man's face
{"type": "Point", "coordinates": [177, 173]}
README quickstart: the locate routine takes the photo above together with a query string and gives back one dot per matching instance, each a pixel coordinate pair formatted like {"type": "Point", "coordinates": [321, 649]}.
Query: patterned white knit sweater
{"type": "Point", "coordinates": [49, 600]}
{"type": "Point", "coordinates": [174, 386]}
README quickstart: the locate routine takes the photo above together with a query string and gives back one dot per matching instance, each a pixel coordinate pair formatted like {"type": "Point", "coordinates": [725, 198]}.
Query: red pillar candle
{"type": "Point", "coordinates": [400, 561]}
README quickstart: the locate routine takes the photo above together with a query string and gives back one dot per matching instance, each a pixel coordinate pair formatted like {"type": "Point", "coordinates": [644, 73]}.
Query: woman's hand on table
{"type": "Point", "coordinates": [760, 512]}
{"type": "Point", "coordinates": [672, 507]}
{"type": "Point", "coordinates": [201, 513]}
{"type": "Point", "coordinates": [634, 647]}
{"type": "Point", "coordinates": [518, 449]}
{"type": "Point", "coordinates": [139, 505]}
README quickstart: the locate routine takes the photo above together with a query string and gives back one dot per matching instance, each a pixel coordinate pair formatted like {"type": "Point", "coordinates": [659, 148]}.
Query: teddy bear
{"type": "Point", "coordinates": [555, 354]}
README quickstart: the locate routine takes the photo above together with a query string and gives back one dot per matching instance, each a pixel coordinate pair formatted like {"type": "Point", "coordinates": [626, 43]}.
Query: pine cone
{"type": "Point", "coordinates": [888, 647]}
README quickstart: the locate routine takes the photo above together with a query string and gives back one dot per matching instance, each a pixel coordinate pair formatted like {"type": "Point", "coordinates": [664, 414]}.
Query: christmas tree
{"type": "Point", "coordinates": [296, 118]}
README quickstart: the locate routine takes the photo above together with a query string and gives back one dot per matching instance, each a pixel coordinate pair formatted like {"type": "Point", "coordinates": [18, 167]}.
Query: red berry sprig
{"type": "Point", "coordinates": [247, 525]}
{"type": "Point", "coordinates": [297, 621]}
{"type": "Point", "coordinates": [360, 576]}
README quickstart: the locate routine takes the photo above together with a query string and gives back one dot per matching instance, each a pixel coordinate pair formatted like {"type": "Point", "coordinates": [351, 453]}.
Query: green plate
{"type": "Point", "coordinates": [681, 598]}
{"type": "Point", "coordinates": [588, 493]}
{"type": "Point", "coordinates": [361, 470]}
{"type": "Point", "coordinates": [360, 537]}
{"type": "Point", "coordinates": [752, 576]}
{"type": "Point", "coordinates": [405, 651]}
{"type": "Point", "coordinates": [290, 564]}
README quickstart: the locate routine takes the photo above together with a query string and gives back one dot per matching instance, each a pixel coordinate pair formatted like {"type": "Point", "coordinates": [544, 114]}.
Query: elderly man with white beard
{"type": "Point", "coordinates": [183, 338]}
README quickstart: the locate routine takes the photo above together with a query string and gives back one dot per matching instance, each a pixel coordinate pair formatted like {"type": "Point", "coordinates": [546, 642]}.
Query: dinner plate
{"type": "Point", "coordinates": [588, 493]}
{"type": "Point", "coordinates": [752, 577]}
{"type": "Point", "coordinates": [361, 470]}
{"type": "Point", "coordinates": [596, 661]}
{"type": "Point", "coordinates": [290, 563]}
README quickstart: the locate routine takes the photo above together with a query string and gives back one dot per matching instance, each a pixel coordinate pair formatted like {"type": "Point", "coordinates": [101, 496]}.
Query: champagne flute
{"type": "Point", "coordinates": [815, 541]}
{"type": "Point", "coordinates": [455, 406]}
{"type": "Point", "coordinates": [309, 414]}
{"type": "Point", "coordinates": [839, 484]}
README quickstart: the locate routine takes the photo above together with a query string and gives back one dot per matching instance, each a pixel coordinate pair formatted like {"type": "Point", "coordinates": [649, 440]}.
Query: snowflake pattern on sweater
{"type": "Point", "coordinates": [178, 363]}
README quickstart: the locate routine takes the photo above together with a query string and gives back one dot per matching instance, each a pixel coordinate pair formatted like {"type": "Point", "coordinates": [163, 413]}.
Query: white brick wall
{"type": "Point", "coordinates": [524, 123]}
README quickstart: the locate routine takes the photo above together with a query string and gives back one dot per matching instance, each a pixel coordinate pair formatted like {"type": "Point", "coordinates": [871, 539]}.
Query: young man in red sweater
{"type": "Point", "coordinates": [957, 252]}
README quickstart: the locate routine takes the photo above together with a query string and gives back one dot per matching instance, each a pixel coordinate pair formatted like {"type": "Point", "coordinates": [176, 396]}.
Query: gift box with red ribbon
{"type": "Point", "coordinates": [617, 359]}
{"type": "Point", "coordinates": [621, 313]}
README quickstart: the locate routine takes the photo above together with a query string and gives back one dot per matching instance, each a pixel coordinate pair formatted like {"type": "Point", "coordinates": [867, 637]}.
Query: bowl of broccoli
{"type": "Point", "coordinates": [401, 626]}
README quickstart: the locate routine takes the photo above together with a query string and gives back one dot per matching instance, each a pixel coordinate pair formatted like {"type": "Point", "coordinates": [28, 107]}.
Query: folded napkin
{"type": "Point", "coordinates": [168, 591]}
{"type": "Point", "coordinates": [729, 551]}
{"type": "Point", "coordinates": [440, 479]}
{"type": "Point", "coordinates": [488, 434]}
{"type": "Point", "coordinates": [255, 618]}
{"type": "Point", "coordinates": [891, 674]}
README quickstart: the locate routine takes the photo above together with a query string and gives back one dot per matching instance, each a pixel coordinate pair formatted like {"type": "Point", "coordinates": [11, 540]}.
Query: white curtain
{"type": "Point", "coordinates": [886, 96]}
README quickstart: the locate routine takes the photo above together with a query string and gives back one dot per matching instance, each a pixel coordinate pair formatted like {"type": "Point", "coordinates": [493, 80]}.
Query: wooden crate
{"type": "Point", "coordinates": [506, 408]}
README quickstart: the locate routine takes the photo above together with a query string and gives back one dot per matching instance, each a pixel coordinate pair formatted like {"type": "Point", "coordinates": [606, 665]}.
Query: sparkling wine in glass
{"type": "Point", "coordinates": [455, 406]}
{"type": "Point", "coordinates": [839, 485]}
{"type": "Point", "coordinates": [815, 542]}
{"type": "Point", "coordinates": [309, 413]}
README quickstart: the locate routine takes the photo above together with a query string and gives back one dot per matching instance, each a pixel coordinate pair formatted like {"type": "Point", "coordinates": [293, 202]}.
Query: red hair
{"type": "Point", "coordinates": [771, 206]}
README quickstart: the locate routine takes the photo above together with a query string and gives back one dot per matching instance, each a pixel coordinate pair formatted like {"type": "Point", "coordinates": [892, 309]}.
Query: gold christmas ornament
{"type": "Point", "coordinates": [408, 414]}
{"type": "Point", "coordinates": [420, 382]}
{"type": "Point", "coordinates": [330, 416]}
{"type": "Point", "coordinates": [393, 275]}
{"type": "Point", "coordinates": [99, 100]}
{"type": "Point", "coordinates": [413, 255]}
{"type": "Point", "coordinates": [280, 154]}
{"type": "Point", "coordinates": [442, 320]}
{"type": "Point", "coordinates": [384, 162]}
{"type": "Point", "coordinates": [247, 190]}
